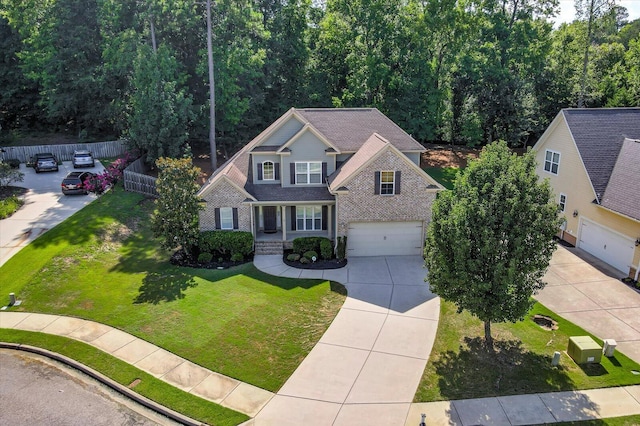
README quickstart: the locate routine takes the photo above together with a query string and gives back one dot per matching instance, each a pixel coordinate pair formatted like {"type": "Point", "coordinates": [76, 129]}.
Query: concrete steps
{"type": "Point", "coordinates": [268, 247]}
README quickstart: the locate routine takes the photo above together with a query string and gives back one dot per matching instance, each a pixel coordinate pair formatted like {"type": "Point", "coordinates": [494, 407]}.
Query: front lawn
{"type": "Point", "coordinates": [459, 367]}
{"type": "Point", "coordinates": [103, 264]}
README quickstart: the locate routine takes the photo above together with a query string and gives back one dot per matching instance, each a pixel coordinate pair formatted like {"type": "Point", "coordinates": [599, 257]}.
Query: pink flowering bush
{"type": "Point", "coordinates": [111, 175]}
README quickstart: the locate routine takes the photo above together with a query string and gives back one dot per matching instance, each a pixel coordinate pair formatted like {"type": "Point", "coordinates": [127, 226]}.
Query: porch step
{"type": "Point", "coordinates": [268, 247]}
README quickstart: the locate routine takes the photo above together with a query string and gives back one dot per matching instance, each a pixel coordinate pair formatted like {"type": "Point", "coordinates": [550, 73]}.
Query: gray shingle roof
{"type": "Point", "coordinates": [349, 128]}
{"type": "Point", "coordinates": [623, 191]}
{"type": "Point", "coordinates": [599, 134]}
{"type": "Point", "coordinates": [274, 192]}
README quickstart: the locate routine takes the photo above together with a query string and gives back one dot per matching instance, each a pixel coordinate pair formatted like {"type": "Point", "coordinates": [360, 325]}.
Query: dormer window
{"type": "Point", "coordinates": [551, 161]}
{"type": "Point", "coordinates": [268, 172]}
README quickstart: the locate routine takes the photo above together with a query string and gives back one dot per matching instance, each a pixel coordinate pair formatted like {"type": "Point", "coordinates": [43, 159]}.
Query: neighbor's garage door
{"type": "Point", "coordinates": [606, 245]}
{"type": "Point", "coordinates": [384, 239]}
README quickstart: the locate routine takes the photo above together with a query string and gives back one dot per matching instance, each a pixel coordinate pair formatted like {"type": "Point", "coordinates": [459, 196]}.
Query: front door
{"type": "Point", "coordinates": [269, 214]}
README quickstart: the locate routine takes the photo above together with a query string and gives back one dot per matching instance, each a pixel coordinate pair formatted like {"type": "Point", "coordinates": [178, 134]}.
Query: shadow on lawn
{"type": "Point", "coordinates": [167, 287]}
{"type": "Point", "coordinates": [474, 372]}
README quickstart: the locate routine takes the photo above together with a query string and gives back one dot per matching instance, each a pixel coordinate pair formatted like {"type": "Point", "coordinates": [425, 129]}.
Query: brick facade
{"type": "Point", "coordinates": [362, 205]}
{"type": "Point", "coordinates": [223, 194]}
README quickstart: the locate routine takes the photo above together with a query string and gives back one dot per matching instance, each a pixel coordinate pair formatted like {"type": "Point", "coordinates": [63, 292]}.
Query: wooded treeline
{"type": "Point", "coordinates": [457, 71]}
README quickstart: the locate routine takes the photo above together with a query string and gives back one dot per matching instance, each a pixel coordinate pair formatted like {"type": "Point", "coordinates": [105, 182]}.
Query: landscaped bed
{"type": "Point", "coordinates": [103, 264]}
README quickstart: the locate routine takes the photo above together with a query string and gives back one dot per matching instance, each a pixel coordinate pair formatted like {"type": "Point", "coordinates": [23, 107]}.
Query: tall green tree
{"type": "Point", "coordinates": [175, 219]}
{"type": "Point", "coordinates": [160, 107]}
{"type": "Point", "coordinates": [491, 237]}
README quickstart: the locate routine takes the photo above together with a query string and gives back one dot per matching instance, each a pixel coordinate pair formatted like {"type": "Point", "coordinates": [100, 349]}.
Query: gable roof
{"type": "Point", "coordinates": [368, 152]}
{"type": "Point", "coordinates": [349, 128]}
{"type": "Point", "coordinates": [599, 134]}
{"type": "Point", "coordinates": [622, 194]}
{"type": "Point", "coordinates": [345, 130]}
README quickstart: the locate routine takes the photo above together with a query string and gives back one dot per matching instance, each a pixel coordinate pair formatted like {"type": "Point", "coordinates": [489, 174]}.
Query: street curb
{"type": "Point", "coordinates": [152, 405]}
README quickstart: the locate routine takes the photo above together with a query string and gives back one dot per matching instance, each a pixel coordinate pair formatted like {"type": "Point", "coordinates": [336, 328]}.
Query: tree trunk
{"type": "Point", "coordinates": [585, 60]}
{"type": "Point", "coordinates": [488, 340]}
{"type": "Point", "coordinates": [212, 95]}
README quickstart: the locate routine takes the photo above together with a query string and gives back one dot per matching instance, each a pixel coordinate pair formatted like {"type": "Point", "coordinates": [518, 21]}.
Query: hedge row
{"type": "Point", "coordinates": [232, 245]}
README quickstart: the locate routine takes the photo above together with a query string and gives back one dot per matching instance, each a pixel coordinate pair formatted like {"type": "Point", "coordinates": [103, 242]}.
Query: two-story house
{"type": "Point", "coordinates": [592, 160]}
{"type": "Point", "coordinates": [326, 172]}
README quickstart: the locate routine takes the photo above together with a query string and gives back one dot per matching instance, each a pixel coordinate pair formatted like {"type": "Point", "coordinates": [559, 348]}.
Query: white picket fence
{"type": "Point", "coordinates": [64, 152]}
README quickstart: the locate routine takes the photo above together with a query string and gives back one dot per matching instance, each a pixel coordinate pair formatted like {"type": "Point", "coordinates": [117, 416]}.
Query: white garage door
{"type": "Point", "coordinates": [384, 239]}
{"type": "Point", "coordinates": [606, 245]}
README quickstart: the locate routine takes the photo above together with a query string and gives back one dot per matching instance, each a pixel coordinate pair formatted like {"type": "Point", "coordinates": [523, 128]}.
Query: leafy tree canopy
{"type": "Point", "coordinates": [175, 219]}
{"type": "Point", "coordinates": [491, 237]}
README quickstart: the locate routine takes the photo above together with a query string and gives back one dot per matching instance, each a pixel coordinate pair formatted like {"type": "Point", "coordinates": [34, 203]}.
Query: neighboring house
{"type": "Point", "coordinates": [592, 159]}
{"type": "Point", "coordinates": [326, 172]}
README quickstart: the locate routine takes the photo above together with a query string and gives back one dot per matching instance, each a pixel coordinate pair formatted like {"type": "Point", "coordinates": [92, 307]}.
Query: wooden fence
{"type": "Point", "coordinates": [64, 152]}
{"type": "Point", "coordinates": [136, 181]}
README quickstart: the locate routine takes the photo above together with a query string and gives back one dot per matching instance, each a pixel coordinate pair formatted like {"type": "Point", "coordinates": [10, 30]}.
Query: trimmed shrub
{"type": "Point", "coordinates": [293, 257]}
{"type": "Point", "coordinates": [310, 255]}
{"type": "Point", "coordinates": [304, 244]}
{"type": "Point", "coordinates": [14, 163]}
{"type": "Point", "coordinates": [237, 257]}
{"type": "Point", "coordinates": [226, 243]}
{"type": "Point", "coordinates": [342, 248]}
{"type": "Point", "coordinates": [304, 260]}
{"type": "Point", "coordinates": [326, 249]}
{"type": "Point", "coordinates": [205, 257]}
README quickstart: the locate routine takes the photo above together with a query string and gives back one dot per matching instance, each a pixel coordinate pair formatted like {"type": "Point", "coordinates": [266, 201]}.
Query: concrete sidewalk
{"type": "Point", "coordinates": [158, 362]}
{"type": "Point", "coordinates": [367, 366]}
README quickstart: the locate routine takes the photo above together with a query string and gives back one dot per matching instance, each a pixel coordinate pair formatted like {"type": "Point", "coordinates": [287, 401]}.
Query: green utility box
{"type": "Point", "coordinates": [584, 350]}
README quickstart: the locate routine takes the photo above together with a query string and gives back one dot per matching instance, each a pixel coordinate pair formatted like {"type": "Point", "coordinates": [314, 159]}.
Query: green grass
{"type": "Point", "coordinates": [444, 175]}
{"type": "Point", "coordinates": [125, 374]}
{"type": "Point", "coordinates": [9, 205]}
{"type": "Point", "coordinates": [459, 367]}
{"type": "Point", "coordinates": [103, 264]}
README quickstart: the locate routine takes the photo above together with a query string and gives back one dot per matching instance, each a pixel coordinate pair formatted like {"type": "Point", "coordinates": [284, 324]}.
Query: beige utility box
{"type": "Point", "coordinates": [584, 350]}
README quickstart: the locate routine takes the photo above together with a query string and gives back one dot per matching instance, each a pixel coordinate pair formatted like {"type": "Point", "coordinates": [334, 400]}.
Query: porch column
{"type": "Point", "coordinates": [283, 222]}
{"type": "Point", "coordinates": [253, 225]}
{"type": "Point", "coordinates": [329, 220]}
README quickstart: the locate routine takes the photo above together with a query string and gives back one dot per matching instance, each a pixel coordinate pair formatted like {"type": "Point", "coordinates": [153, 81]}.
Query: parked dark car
{"type": "Point", "coordinates": [76, 183]}
{"type": "Point", "coordinates": [83, 158]}
{"type": "Point", "coordinates": [45, 162]}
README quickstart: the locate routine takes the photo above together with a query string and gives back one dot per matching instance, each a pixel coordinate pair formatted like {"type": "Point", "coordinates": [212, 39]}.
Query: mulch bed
{"type": "Point", "coordinates": [318, 264]}
{"type": "Point", "coordinates": [8, 191]}
{"type": "Point", "coordinates": [180, 258]}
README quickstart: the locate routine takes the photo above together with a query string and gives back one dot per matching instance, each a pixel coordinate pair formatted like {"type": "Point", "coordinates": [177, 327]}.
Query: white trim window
{"type": "Point", "coordinates": [268, 171]}
{"type": "Point", "coordinates": [387, 182]}
{"type": "Point", "coordinates": [309, 218]}
{"type": "Point", "coordinates": [308, 173]}
{"type": "Point", "coordinates": [562, 202]}
{"type": "Point", "coordinates": [226, 218]}
{"type": "Point", "coordinates": [551, 161]}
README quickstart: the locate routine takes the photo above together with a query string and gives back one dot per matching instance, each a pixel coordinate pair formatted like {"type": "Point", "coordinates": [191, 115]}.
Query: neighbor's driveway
{"type": "Point", "coordinates": [589, 293]}
{"type": "Point", "coordinates": [45, 206]}
{"type": "Point", "coordinates": [367, 366]}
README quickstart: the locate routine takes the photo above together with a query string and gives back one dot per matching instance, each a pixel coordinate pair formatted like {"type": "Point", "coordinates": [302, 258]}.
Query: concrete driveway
{"type": "Point", "coordinates": [368, 364]}
{"type": "Point", "coordinates": [45, 206]}
{"type": "Point", "coordinates": [589, 293]}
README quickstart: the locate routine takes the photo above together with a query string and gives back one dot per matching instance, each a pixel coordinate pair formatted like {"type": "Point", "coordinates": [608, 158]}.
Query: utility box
{"type": "Point", "coordinates": [584, 350]}
{"type": "Point", "coordinates": [609, 348]}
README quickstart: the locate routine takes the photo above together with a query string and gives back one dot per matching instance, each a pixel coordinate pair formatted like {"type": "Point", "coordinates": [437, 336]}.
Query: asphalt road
{"type": "Point", "coordinates": [37, 391]}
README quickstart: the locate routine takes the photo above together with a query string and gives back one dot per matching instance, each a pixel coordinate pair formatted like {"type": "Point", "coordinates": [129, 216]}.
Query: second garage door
{"type": "Point", "coordinates": [604, 244]}
{"type": "Point", "coordinates": [385, 239]}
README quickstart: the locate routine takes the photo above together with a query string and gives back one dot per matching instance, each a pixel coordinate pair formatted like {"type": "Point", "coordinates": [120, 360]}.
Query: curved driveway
{"type": "Point", "coordinates": [368, 364]}
{"type": "Point", "coordinates": [45, 206]}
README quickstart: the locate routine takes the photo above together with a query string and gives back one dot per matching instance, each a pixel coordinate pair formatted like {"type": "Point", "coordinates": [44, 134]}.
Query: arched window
{"type": "Point", "coordinates": [268, 172]}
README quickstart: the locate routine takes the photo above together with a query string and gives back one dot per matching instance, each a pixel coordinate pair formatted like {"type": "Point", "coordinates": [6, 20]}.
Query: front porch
{"type": "Point", "coordinates": [273, 243]}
